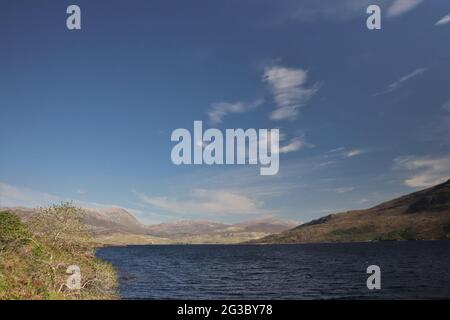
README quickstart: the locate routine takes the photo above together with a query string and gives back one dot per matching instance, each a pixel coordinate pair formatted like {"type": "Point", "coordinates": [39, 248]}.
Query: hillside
{"type": "Point", "coordinates": [423, 215]}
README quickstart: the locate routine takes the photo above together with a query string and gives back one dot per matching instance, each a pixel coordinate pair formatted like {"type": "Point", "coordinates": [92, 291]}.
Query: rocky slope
{"type": "Point", "coordinates": [423, 215]}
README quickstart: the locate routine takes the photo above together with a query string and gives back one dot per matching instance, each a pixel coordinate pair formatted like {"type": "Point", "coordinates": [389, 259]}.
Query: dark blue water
{"type": "Point", "coordinates": [409, 270]}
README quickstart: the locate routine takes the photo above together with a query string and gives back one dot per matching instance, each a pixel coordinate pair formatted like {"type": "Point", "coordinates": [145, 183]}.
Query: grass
{"type": "Point", "coordinates": [34, 257]}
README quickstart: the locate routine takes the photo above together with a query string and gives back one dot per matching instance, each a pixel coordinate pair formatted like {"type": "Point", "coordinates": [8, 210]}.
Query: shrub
{"type": "Point", "coordinates": [36, 257]}
{"type": "Point", "coordinates": [13, 232]}
{"type": "Point", "coordinates": [62, 226]}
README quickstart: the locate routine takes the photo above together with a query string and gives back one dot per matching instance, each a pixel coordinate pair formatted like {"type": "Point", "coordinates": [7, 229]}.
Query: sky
{"type": "Point", "coordinates": [86, 115]}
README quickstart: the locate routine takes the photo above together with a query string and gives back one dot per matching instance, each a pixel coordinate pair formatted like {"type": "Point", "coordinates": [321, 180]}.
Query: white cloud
{"type": "Point", "coordinates": [443, 20]}
{"type": "Point", "coordinates": [344, 189]}
{"type": "Point", "coordinates": [397, 84]}
{"type": "Point", "coordinates": [407, 77]}
{"type": "Point", "coordinates": [339, 190]}
{"type": "Point", "coordinates": [221, 109]}
{"type": "Point", "coordinates": [337, 149]}
{"type": "Point", "coordinates": [399, 7]}
{"type": "Point", "coordinates": [203, 201]}
{"type": "Point", "coordinates": [81, 191]}
{"type": "Point", "coordinates": [326, 163]}
{"type": "Point", "coordinates": [353, 153]}
{"type": "Point", "coordinates": [289, 90]}
{"type": "Point", "coordinates": [363, 201]}
{"type": "Point", "coordinates": [427, 171]}
{"type": "Point", "coordinates": [343, 152]}
{"type": "Point", "coordinates": [294, 144]}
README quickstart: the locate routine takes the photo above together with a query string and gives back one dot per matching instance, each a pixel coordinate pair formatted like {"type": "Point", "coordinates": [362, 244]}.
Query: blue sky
{"type": "Point", "coordinates": [87, 115]}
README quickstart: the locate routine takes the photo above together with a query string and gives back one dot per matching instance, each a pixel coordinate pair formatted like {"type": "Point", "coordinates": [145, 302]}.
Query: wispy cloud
{"type": "Point", "coordinates": [400, 7]}
{"type": "Point", "coordinates": [81, 191]}
{"type": "Point", "coordinates": [288, 85]}
{"type": "Point", "coordinates": [426, 171]}
{"type": "Point", "coordinates": [340, 190]}
{"type": "Point", "coordinates": [295, 144]}
{"type": "Point", "coordinates": [353, 153]}
{"type": "Point", "coordinates": [344, 152]}
{"type": "Point", "coordinates": [206, 202]}
{"type": "Point", "coordinates": [337, 150]}
{"type": "Point", "coordinates": [319, 10]}
{"type": "Point", "coordinates": [314, 10]}
{"type": "Point", "coordinates": [14, 196]}
{"type": "Point", "coordinates": [11, 196]}
{"type": "Point", "coordinates": [344, 189]}
{"type": "Point", "coordinates": [397, 84]}
{"type": "Point", "coordinates": [219, 110]}
{"type": "Point", "coordinates": [443, 20]}
{"type": "Point", "coordinates": [325, 164]}
{"type": "Point", "coordinates": [363, 201]}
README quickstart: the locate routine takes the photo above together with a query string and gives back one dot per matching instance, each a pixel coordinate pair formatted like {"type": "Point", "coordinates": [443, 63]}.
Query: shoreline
{"type": "Point", "coordinates": [266, 244]}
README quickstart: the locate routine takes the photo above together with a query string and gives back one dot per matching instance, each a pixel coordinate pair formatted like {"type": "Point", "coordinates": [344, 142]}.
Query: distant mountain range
{"type": "Point", "coordinates": [422, 215]}
{"type": "Point", "coordinates": [212, 232]}
{"type": "Point", "coordinates": [118, 226]}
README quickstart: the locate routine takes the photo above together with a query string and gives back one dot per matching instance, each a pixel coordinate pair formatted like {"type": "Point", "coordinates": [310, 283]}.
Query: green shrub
{"type": "Point", "coordinates": [13, 232]}
{"type": "Point", "coordinates": [36, 256]}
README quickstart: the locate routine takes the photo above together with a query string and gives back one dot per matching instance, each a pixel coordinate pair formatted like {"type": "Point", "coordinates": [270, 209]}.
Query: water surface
{"type": "Point", "coordinates": [410, 270]}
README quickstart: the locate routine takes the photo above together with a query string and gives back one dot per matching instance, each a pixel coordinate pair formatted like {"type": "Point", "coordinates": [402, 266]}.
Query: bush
{"type": "Point", "coordinates": [36, 256]}
{"type": "Point", "coordinates": [62, 226]}
{"type": "Point", "coordinates": [13, 232]}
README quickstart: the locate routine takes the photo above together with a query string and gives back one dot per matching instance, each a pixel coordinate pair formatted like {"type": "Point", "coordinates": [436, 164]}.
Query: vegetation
{"type": "Point", "coordinates": [400, 234]}
{"type": "Point", "coordinates": [34, 257]}
{"type": "Point", "coordinates": [354, 231]}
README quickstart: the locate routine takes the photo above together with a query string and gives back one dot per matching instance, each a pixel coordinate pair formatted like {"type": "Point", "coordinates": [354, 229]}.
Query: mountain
{"type": "Point", "coordinates": [422, 215]}
{"type": "Point", "coordinates": [185, 228]}
{"type": "Point", "coordinates": [200, 231]}
{"type": "Point", "coordinates": [110, 220]}
{"type": "Point", "coordinates": [116, 226]}
{"type": "Point", "coordinates": [268, 225]}
{"type": "Point", "coordinates": [98, 221]}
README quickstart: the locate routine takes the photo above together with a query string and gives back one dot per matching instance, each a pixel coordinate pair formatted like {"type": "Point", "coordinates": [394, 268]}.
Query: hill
{"type": "Point", "coordinates": [422, 215]}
